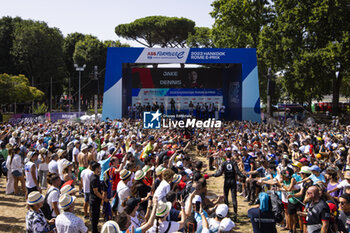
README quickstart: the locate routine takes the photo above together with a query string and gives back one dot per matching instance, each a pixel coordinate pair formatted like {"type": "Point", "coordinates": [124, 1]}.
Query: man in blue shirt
{"type": "Point", "coordinates": [316, 175]}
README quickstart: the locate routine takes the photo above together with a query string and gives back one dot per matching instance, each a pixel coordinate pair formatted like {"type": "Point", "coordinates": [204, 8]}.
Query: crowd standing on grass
{"type": "Point", "coordinates": [140, 180]}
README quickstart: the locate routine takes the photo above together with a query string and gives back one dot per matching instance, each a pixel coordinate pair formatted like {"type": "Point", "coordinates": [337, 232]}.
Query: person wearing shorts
{"type": "Point", "coordinates": [80, 170]}
{"type": "Point", "coordinates": [85, 180]}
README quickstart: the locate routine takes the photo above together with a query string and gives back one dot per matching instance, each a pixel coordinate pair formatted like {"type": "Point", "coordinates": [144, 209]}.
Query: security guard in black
{"type": "Point", "coordinates": [230, 170]}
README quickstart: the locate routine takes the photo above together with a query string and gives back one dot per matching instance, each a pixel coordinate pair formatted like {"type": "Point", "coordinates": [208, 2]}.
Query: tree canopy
{"type": "Point", "coordinates": [17, 89]}
{"type": "Point", "coordinates": [307, 42]}
{"type": "Point", "coordinates": [201, 38]}
{"type": "Point", "coordinates": [157, 30]}
{"type": "Point", "coordinates": [43, 54]}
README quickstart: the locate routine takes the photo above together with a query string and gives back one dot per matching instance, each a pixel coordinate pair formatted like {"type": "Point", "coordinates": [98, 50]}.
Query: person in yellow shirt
{"type": "Point", "coordinates": [149, 148]}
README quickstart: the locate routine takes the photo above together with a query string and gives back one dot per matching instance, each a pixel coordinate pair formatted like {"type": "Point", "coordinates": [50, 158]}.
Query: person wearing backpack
{"type": "Point", "coordinates": [262, 218]}
{"type": "Point", "coordinates": [53, 194]}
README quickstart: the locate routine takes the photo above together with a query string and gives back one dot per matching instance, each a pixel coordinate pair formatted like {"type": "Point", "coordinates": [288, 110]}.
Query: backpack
{"type": "Point", "coordinates": [46, 209]}
{"type": "Point", "coordinates": [4, 168]}
{"type": "Point", "coordinates": [277, 206]}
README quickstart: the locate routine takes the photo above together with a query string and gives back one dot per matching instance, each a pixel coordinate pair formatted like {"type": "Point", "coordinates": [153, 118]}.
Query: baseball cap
{"type": "Point", "coordinates": [179, 164]}
{"type": "Point", "coordinates": [221, 211]}
{"type": "Point", "coordinates": [303, 160]}
{"type": "Point", "coordinates": [196, 198]}
{"type": "Point", "coordinates": [226, 225]}
{"type": "Point", "coordinates": [305, 169]}
{"type": "Point", "coordinates": [315, 168]}
{"type": "Point", "coordinates": [297, 164]}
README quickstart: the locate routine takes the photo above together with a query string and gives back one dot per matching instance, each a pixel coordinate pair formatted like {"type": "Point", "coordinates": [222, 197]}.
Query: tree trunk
{"type": "Point", "coordinates": [336, 89]}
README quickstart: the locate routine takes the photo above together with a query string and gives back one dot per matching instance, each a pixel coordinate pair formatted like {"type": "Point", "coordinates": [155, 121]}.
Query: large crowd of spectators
{"type": "Point", "coordinates": [141, 180]}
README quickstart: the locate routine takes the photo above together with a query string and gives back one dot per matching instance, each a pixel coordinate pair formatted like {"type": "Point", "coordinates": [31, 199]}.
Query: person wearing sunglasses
{"type": "Point", "coordinates": [344, 213]}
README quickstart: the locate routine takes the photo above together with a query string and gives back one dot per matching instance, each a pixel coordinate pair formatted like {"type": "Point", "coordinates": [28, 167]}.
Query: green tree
{"type": "Point", "coordinates": [16, 89]}
{"type": "Point", "coordinates": [157, 30]}
{"type": "Point", "coordinates": [201, 38]}
{"type": "Point", "coordinates": [112, 43]}
{"type": "Point", "coordinates": [6, 39]}
{"type": "Point", "coordinates": [239, 24]}
{"type": "Point", "coordinates": [311, 46]}
{"type": "Point", "coordinates": [37, 52]}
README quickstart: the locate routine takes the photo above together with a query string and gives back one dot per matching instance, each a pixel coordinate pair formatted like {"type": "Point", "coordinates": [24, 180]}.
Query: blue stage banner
{"type": "Point", "coordinates": [240, 96]}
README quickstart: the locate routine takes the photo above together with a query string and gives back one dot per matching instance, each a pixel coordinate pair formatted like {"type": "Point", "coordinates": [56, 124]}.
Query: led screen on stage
{"type": "Point", "coordinates": [199, 85]}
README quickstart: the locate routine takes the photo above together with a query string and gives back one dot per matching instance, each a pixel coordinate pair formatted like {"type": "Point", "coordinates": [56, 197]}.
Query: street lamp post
{"type": "Point", "coordinates": [79, 69]}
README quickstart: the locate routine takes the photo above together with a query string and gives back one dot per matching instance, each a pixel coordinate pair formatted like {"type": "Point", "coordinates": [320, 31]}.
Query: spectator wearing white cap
{"type": "Point", "coordinates": [61, 160]}
{"type": "Point", "coordinates": [83, 163]}
{"type": "Point", "coordinates": [53, 168]}
{"type": "Point", "coordinates": [31, 172]}
{"type": "Point", "coordinates": [67, 167]}
{"type": "Point", "coordinates": [43, 169]}
{"type": "Point", "coordinates": [35, 220]}
{"type": "Point", "coordinates": [67, 221]}
{"type": "Point", "coordinates": [110, 227]}
{"type": "Point", "coordinates": [122, 189]}
{"type": "Point", "coordinates": [220, 213]}
{"type": "Point", "coordinates": [40, 143]}
{"type": "Point", "coordinates": [76, 151]}
{"type": "Point", "coordinates": [161, 225]}
{"type": "Point", "coordinates": [226, 226]}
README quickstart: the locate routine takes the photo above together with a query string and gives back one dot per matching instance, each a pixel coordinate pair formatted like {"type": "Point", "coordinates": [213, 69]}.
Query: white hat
{"type": "Point", "coordinates": [66, 200]}
{"type": "Point", "coordinates": [179, 164]}
{"type": "Point", "coordinates": [84, 147]}
{"type": "Point", "coordinates": [196, 198]}
{"type": "Point", "coordinates": [110, 227]}
{"type": "Point", "coordinates": [159, 170]}
{"type": "Point", "coordinates": [60, 152]}
{"type": "Point", "coordinates": [67, 189]}
{"type": "Point", "coordinates": [139, 175]}
{"type": "Point", "coordinates": [222, 210]}
{"type": "Point", "coordinates": [35, 198]}
{"type": "Point", "coordinates": [31, 154]}
{"type": "Point", "coordinates": [163, 208]}
{"type": "Point", "coordinates": [189, 172]}
{"type": "Point", "coordinates": [124, 174]}
{"type": "Point", "coordinates": [42, 151]}
{"type": "Point", "coordinates": [146, 168]}
{"type": "Point", "coordinates": [176, 178]}
{"type": "Point", "coordinates": [66, 164]}
{"type": "Point", "coordinates": [226, 225]}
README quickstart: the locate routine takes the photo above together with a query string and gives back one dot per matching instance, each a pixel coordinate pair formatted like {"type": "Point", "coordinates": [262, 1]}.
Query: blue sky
{"type": "Point", "coordinates": [99, 18]}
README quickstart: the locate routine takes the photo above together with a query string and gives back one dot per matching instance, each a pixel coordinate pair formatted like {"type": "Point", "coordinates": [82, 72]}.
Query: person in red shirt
{"type": "Point", "coordinates": [183, 182]}
{"type": "Point", "coordinates": [115, 169]}
{"type": "Point", "coordinates": [148, 179]}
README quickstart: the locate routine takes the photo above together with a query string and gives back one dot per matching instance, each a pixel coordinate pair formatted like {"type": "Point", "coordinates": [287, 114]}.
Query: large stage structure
{"type": "Point", "coordinates": [226, 77]}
